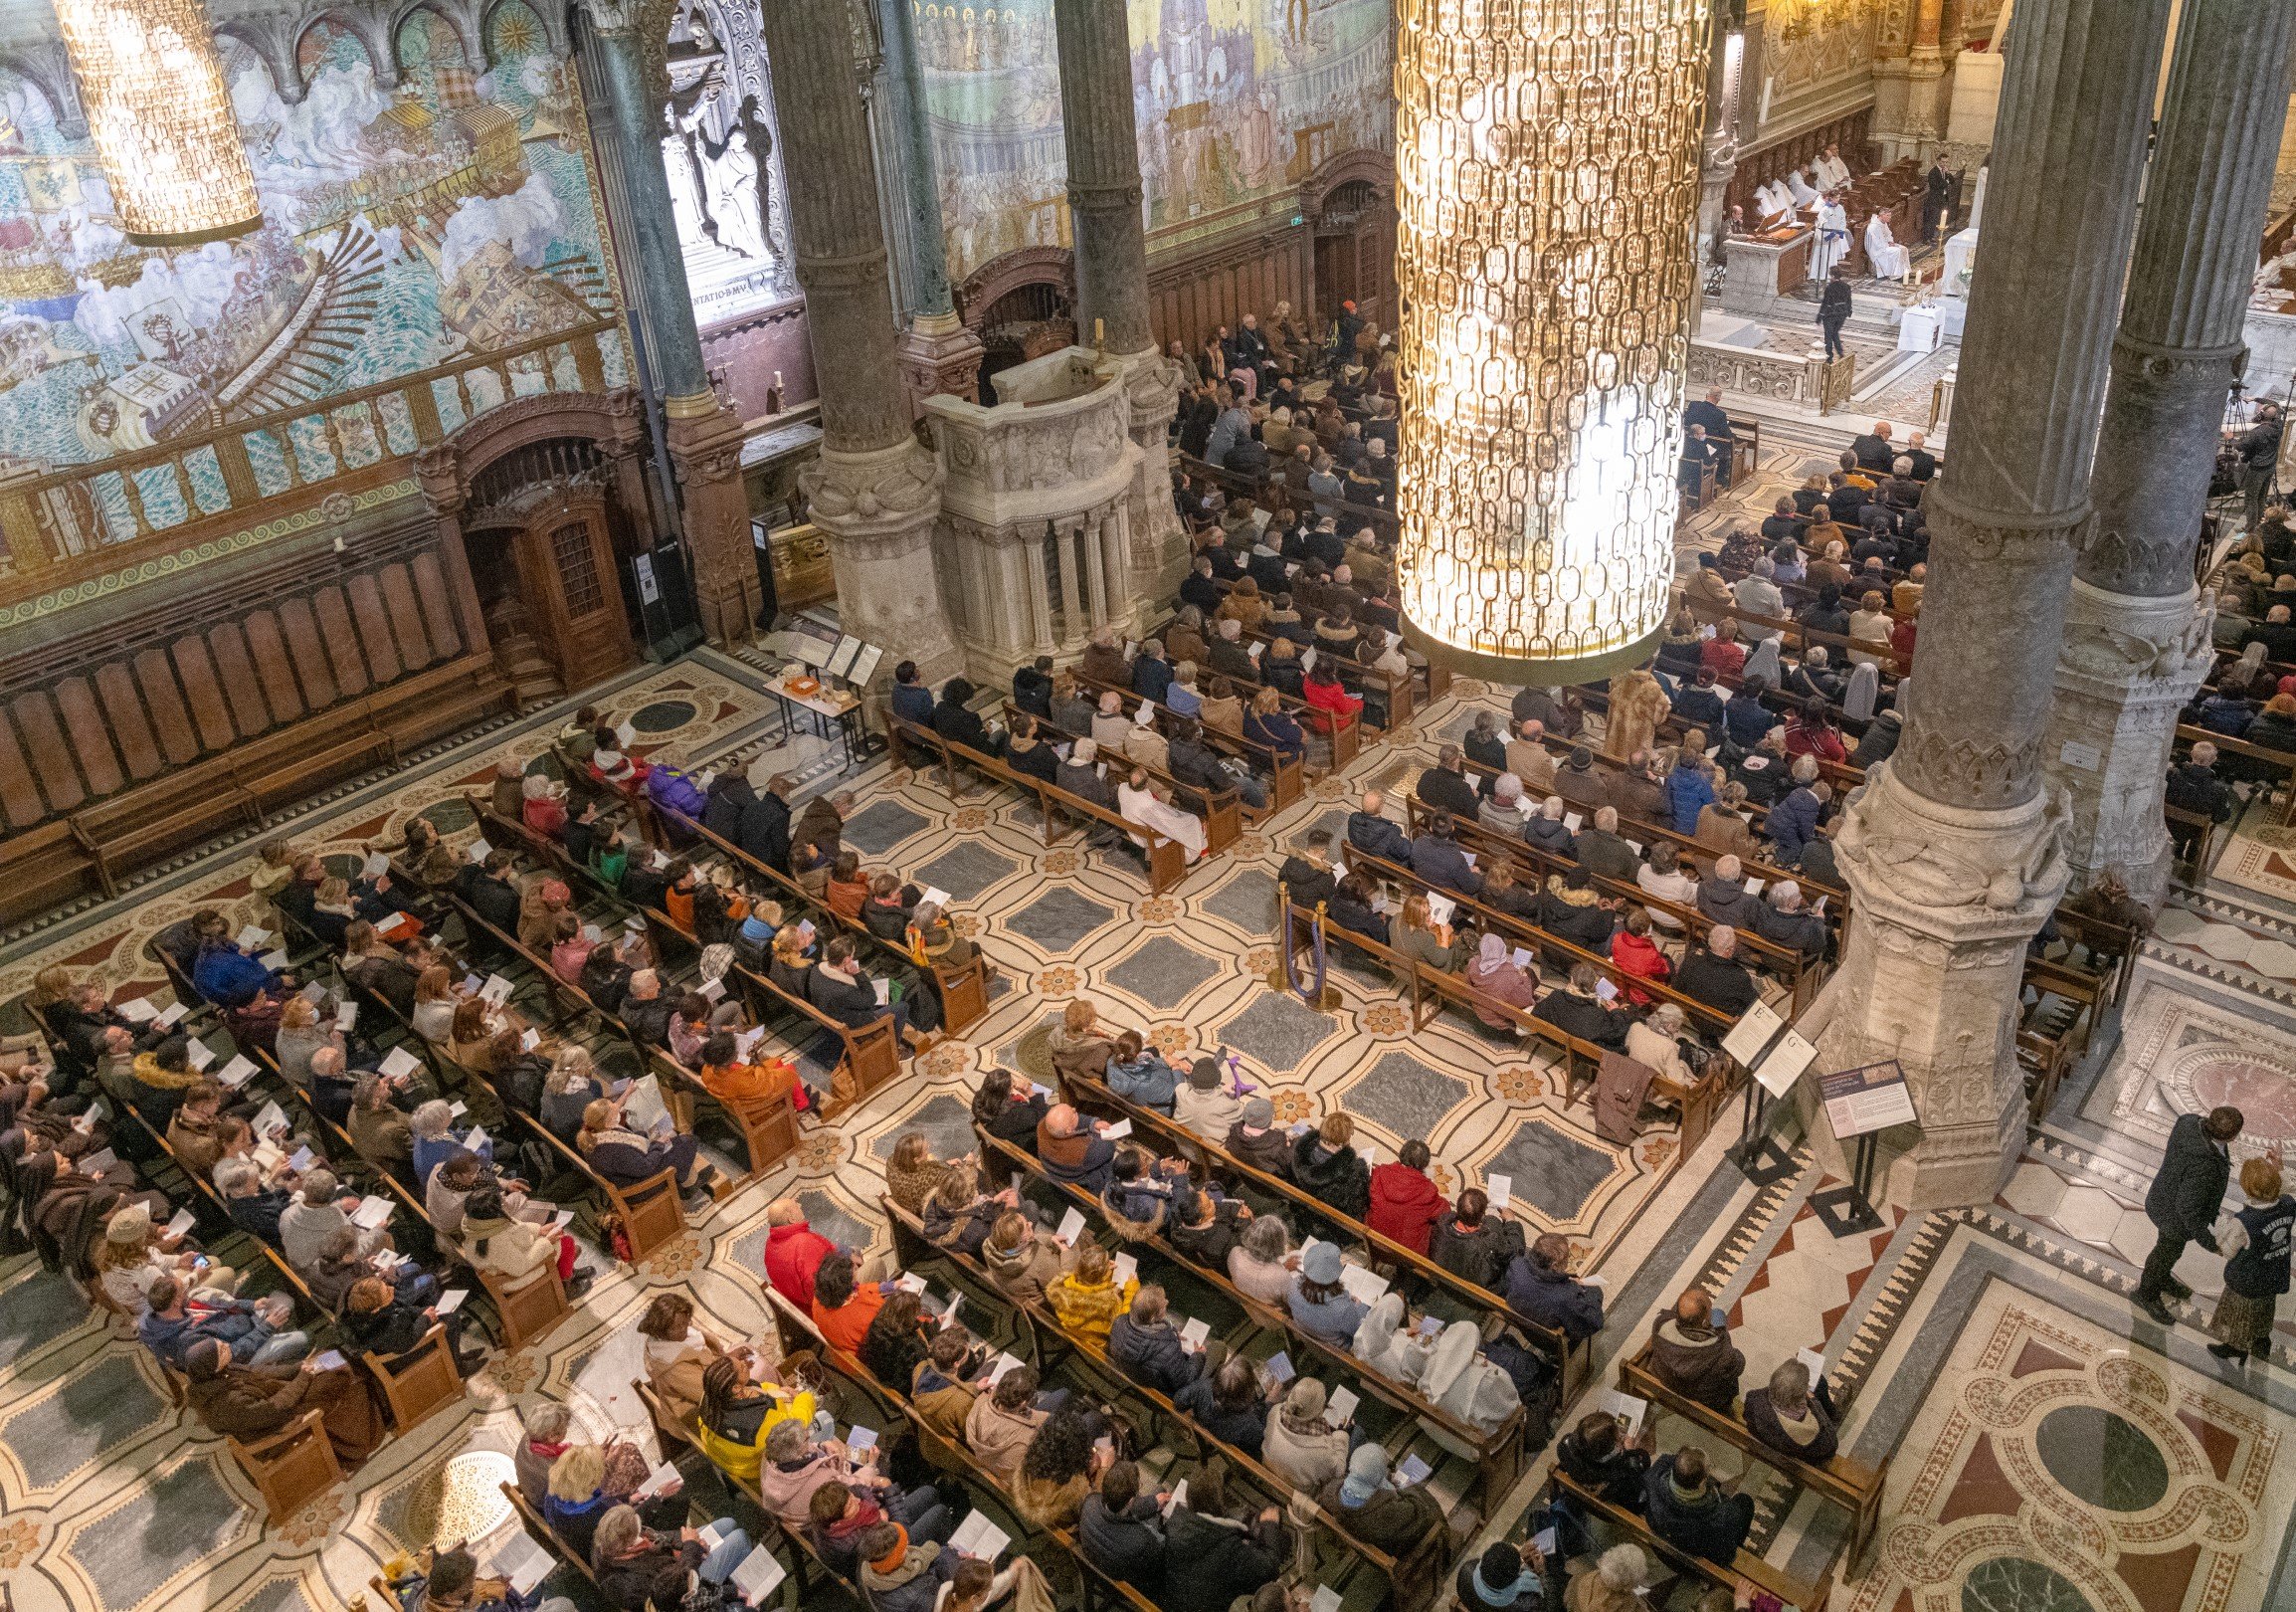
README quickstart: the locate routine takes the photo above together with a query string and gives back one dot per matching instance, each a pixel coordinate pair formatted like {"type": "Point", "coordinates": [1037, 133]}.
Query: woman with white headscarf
{"type": "Point", "coordinates": [1864, 693]}
{"type": "Point", "coordinates": [1763, 662]}
{"type": "Point", "coordinates": [1470, 1387]}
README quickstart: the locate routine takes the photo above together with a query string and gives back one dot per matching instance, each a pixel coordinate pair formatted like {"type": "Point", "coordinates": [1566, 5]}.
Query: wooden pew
{"type": "Point", "coordinates": [1572, 1362]}
{"type": "Point", "coordinates": [942, 1454]}
{"type": "Point", "coordinates": [1744, 1579]}
{"type": "Point", "coordinates": [1168, 863]}
{"type": "Point", "coordinates": [1498, 1454]}
{"type": "Point", "coordinates": [1222, 809]}
{"type": "Point", "coordinates": [1798, 974]}
{"type": "Point", "coordinates": [1286, 775]}
{"type": "Point", "coordinates": [1854, 1486]}
{"type": "Point", "coordinates": [963, 987]}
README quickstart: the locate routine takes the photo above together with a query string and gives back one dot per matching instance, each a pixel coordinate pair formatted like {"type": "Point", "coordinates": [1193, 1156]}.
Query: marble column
{"type": "Point", "coordinates": [938, 354]}
{"type": "Point", "coordinates": [1105, 207]}
{"type": "Point", "coordinates": [1718, 159]}
{"type": "Point", "coordinates": [1953, 852]}
{"type": "Point", "coordinates": [703, 434]}
{"type": "Point", "coordinates": [873, 491]}
{"type": "Point", "coordinates": [2137, 635]}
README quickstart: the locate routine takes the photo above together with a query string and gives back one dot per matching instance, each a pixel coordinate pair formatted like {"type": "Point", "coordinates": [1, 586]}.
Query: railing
{"type": "Point", "coordinates": [82, 520]}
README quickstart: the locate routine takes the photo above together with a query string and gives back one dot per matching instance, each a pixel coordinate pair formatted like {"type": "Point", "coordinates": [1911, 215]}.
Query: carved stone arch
{"type": "Point", "coordinates": [456, 19]}
{"type": "Point", "coordinates": [1358, 166]}
{"type": "Point", "coordinates": [367, 27]}
{"type": "Point", "coordinates": [272, 39]}
{"type": "Point", "coordinates": [612, 421]}
{"type": "Point", "coordinates": [48, 72]}
{"type": "Point", "coordinates": [1011, 271]}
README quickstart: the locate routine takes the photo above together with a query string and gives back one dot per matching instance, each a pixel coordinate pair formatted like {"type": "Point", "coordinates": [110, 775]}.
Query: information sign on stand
{"type": "Point", "coordinates": [1859, 1104]}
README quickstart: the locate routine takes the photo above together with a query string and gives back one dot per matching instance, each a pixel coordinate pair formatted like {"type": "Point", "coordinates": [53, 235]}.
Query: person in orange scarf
{"type": "Point", "coordinates": [727, 1077]}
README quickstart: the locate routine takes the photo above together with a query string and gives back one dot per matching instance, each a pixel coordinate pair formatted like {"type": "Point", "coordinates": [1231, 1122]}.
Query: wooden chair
{"type": "Point", "coordinates": [289, 1468]}
{"type": "Point", "coordinates": [418, 1382]}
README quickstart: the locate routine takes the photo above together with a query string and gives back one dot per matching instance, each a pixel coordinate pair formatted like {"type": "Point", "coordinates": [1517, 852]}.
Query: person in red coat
{"type": "Point", "coordinates": [793, 1252]}
{"type": "Point", "coordinates": [1405, 1204]}
{"type": "Point", "coordinates": [1633, 951]}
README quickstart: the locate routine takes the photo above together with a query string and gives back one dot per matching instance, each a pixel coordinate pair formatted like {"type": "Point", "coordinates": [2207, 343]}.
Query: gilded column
{"type": "Point", "coordinates": [873, 491]}
{"type": "Point", "coordinates": [1954, 852]}
{"type": "Point", "coordinates": [704, 435]}
{"type": "Point", "coordinates": [1105, 203]}
{"type": "Point", "coordinates": [2137, 638]}
{"type": "Point", "coordinates": [937, 353]}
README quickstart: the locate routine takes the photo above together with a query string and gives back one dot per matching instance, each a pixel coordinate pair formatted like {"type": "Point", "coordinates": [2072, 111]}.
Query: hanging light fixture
{"type": "Point", "coordinates": [161, 119]}
{"type": "Point", "coordinates": [1547, 160]}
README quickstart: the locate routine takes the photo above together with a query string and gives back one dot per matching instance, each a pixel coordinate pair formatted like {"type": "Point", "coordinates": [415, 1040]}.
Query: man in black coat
{"type": "Point", "coordinates": [1145, 1345]}
{"type": "Point", "coordinates": [1373, 834]}
{"type": "Point", "coordinates": [729, 796]}
{"type": "Point", "coordinates": [1833, 309]}
{"type": "Point", "coordinates": [764, 830]}
{"type": "Point", "coordinates": [2186, 1197]}
{"type": "Point", "coordinates": [1446, 787]}
{"type": "Point", "coordinates": [1122, 1532]}
{"type": "Point", "coordinates": [1711, 974]}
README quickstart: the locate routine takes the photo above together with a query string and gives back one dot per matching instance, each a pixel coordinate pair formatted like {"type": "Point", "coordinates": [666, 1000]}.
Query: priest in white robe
{"type": "Point", "coordinates": [1832, 242]}
{"type": "Point", "coordinates": [1138, 802]}
{"type": "Point", "coordinates": [1890, 260]}
{"type": "Point", "coordinates": [1832, 172]}
{"type": "Point", "coordinates": [1773, 206]}
{"type": "Point", "coordinates": [1804, 193]}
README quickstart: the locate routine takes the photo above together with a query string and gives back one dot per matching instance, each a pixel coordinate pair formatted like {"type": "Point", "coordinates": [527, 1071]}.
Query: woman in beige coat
{"type": "Point", "coordinates": [1638, 706]}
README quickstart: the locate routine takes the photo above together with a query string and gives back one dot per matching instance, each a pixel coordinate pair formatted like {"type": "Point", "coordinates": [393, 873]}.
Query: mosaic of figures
{"type": "Point", "coordinates": [1237, 102]}
{"type": "Point", "coordinates": [426, 191]}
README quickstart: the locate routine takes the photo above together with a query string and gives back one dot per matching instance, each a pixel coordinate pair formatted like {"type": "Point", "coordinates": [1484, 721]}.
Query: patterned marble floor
{"type": "Point", "coordinates": [2052, 1452]}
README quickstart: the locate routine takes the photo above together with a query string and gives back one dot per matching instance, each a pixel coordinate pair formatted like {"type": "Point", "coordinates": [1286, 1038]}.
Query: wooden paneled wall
{"type": "Point", "coordinates": [97, 730]}
{"type": "Point", "coordinates": [227, 698]}
{"type": "Point", "coordinates": [1192, 295]}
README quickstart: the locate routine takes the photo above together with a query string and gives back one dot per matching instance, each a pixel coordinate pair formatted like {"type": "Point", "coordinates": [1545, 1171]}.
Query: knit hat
{"type": "Point", "coordinates": [1259, 1112]}
{"type": "Point", "coordinates": [1321, 1262]}
{"type": "Point", "coordinates": [1204, 1074]}
{"type": "Point", "coordinates": [892, 1559]}
{"type": "Point", "coordinates": [1306, 1401]}
{"type": "Point", "coordinates": [130, 1225]}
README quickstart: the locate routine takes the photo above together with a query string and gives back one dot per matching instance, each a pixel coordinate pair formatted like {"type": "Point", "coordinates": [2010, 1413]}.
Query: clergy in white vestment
{"type": "Point", "coordinates": [1890, 261]}
{"type": "Point", "coordinates": [1804, 193]}
{"type": "Point", "coordinates": [1138, 803]}
{"type": "Point", "coordinates": [1832, 172]}
{"type": "Point", "coordinates": [1771, 206]}
{"type": "Point", "coordinates": [1833, 238]}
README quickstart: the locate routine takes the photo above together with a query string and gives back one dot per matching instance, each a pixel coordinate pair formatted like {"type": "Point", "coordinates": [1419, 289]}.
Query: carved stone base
{"type": "Point", "coordinates": [879, 510]}
{"type": "Point", "coordinates": [938, 357]}
{"type": "Point", "coordinates": [2127, 668]}
{"type": "Point", "coordinates": [1159, 543]}
{"type": "Point", "coordinates": [1944, 900]}
{"type": "Point", "coordinates": [705, 449]}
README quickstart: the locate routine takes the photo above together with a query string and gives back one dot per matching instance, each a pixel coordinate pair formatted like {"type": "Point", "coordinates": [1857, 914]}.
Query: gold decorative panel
{"type": "Point", "coordinates": [1547, 163]}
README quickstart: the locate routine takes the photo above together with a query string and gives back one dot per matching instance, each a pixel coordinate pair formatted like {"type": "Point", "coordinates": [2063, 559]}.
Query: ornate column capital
{"type": "Point", "coordinates": [613, 18]}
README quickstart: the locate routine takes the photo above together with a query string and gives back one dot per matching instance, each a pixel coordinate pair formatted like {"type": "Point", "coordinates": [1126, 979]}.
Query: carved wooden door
{"type": "Point", "coordinates": [573, 597]}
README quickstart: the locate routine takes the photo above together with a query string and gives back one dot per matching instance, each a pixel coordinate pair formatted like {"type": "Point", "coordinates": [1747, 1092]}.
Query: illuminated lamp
{"type": "Point", "coordinates": [161, 119]}
{"type": "Point", "coordinates": [1547, 167]}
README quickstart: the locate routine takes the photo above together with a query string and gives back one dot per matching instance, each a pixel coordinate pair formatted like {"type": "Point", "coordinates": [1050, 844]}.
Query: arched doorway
{"type": "Point", "coordinates": [1021, 306]}
{"type": "Point", "coordinates": [540, 535]}
{"type": "Point", "coordinates": [546, 498]}
{"type": "Point", "coordinates": [1355, 252]}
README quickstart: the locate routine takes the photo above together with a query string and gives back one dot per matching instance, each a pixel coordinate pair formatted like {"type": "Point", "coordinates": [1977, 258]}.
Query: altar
{"type": "Point", "coordinates": [1760, 270]}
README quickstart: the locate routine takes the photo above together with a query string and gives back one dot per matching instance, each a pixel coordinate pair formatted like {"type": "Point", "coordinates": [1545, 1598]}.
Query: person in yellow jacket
{"type": "Point", "coordinates": [1088, 1298]}
{"type": "Point", "coordinates": [737, 1415]}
